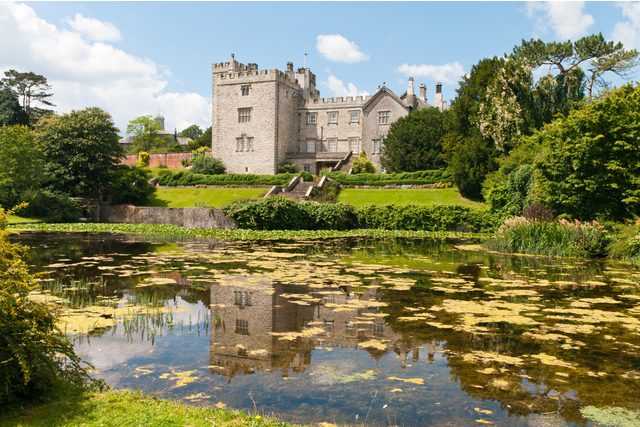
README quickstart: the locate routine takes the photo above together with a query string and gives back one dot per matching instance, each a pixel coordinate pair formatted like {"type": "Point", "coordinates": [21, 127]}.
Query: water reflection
{"type": "Point", "coordinates": [439, 332]}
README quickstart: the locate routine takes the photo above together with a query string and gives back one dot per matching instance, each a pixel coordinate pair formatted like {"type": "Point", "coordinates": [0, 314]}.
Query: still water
{"type": "Point", "coordinates": [407, 332]}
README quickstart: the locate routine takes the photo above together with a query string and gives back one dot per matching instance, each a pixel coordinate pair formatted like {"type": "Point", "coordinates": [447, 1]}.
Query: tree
{"type": "Point", "coordinates": [362, 164]}
{"type": "Point", "coordinates": [21, 163]}
{"type": "Point", "coordinates": [202, 141]}
{"type": "Point", "coordinates": [31, 89]}
{"type": "Point", "coordinates": [11, 113]}
{"type": "Point", "coordinates": [414, 142]}
{"type": "Point", "coordinates": [471, 161]}
{"type": "Point", "coordinates": [81, 150]}
{"type": "Point", "coordinates": [589, 165]}
{"type": "Point", "coordinates": [146, 133]}
{"type": "Point", "coordinates": [206, 165]}
{"type": "Point", "coordinates": [192, 132]}
{"type": "Point", "coordinates": [565, 57]}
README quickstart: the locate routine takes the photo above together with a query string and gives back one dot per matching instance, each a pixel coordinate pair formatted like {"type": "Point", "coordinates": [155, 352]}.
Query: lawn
{"type": "Point", "coordinates": [443, 196]}
{"type": "Point", "coordinates": [15, 219]}
{"type": "Point", "coordinates": [205, 197]}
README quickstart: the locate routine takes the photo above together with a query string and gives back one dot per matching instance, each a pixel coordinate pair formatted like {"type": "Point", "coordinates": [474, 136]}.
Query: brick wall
{"type": "Point", "coordinates": [170, 160]}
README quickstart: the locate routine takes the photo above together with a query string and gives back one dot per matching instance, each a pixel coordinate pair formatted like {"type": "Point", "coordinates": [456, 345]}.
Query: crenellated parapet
{"type": "Point", "coordinates": [337, 102]}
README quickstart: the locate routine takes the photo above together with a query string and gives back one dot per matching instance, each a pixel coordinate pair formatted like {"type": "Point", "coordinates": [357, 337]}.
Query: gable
{"type": "Point", "coordinates": [385, 98]}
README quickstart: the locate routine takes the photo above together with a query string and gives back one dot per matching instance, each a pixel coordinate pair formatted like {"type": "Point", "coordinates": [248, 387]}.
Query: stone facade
{"type": "Point", "coordinates": [262, 118]}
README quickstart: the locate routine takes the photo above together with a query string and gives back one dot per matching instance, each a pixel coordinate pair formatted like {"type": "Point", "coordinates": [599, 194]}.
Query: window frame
{"type": "Point", "coordinates": [244, 115]}
{"type": "Point", "coordinates": [245, 90]}
{"type": "Point", "coordinates": [351, 116]}
{"type": "Point", "coordinates": [357, 145]}
{"type": "Point", "coordinates": [332, 145]}
{"type": "Point", "coordinates": [311, 119]}
{"type": "Point", "coordinates": [384, 117]}
{"type": "Point", "coordinates": [332, 114]}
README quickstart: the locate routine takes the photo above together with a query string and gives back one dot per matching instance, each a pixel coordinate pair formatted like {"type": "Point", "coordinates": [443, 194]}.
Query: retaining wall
{"type": "Point", "coordinates": [170, 160]}
{"type": "Point", "coordinates": [183, 217]}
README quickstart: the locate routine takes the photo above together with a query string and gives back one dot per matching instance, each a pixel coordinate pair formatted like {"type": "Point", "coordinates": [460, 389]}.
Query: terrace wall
{"type": "Point", "coordinates": [184, 217]}
{"type": "Point", "coordinates": [170, 160]}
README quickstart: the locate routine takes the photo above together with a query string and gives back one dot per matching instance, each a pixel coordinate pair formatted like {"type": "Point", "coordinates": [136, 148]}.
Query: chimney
{"type": "Point", "coordinates": [437, 101]}
{"type": "Point", "coordinates": [423, 92]}
{"type": "Point", "coordinates": [232, 63]}
{"type": "Point", "coordinates": [289, 73]}
{"type": "Point", "coordinates": [410, 88]}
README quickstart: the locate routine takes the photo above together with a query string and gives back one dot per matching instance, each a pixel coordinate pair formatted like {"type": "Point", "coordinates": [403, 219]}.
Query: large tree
{"type": "Point", "coordinates": [21, 163]}
{"type": "Point", "coordinates": [11, 113]}
{"type": "Point", "coordinates": [192, 132]}
{"type": "Point", "coordinates": [563, 58]}
{"type": "Point", "coordinates": [146, 133]}
{"type": "Point", "coordinates": [81, 150]}
{"type": "Point", "coordinates": [590, 164]}
{"type": "Point", "coordinates": [414, 142]}
{"type": "Point", "coordinates": [32, 90]}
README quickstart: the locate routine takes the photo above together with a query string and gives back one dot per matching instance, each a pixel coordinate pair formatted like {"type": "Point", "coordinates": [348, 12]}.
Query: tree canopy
{"type": "Point", "coordinates": [145, 131]}
{"type": "Point", "coordinates": [21, 163]}
{"type": "Point", "coordinates": [11, 112]}
{"type": "Point", "coordinates": [414, 142]}
{"type": "Point", "coordinates": [192, 132]}
{"type": "Point", "coordinates": [31, 90]}
{"type": "Point", "coordinates": [81, 150]}
{"type": "Point", "coordinates": [589, 165]}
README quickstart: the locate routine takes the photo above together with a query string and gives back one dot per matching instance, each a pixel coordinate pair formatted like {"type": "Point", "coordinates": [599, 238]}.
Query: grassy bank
{"type": "Point", "coordinates": [126, 408]}
{"type": "Point", "coordinates": [441, 196]}
{"type": "Point", "coordinates": [190, 197]}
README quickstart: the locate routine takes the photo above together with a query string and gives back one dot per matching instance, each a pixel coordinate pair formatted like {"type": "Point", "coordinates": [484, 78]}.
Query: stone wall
{"type": "Point", "coordinates": [183, 217]}
{"type": "Point", "coordinates": [170, 160]}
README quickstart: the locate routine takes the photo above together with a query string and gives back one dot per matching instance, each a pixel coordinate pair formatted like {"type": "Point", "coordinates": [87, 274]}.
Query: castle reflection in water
{"type": "Point", "coordinates": [262, 326]}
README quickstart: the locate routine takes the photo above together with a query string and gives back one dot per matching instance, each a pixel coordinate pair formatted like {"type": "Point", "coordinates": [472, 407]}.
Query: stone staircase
{"type": "Point", "coordinates": [300, 190]}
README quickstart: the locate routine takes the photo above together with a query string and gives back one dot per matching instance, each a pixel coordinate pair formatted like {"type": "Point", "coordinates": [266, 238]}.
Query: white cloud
{"type": "Point", "coordinates": [628, 32]}
{"type": "Point", "coordinates": [87, 74]}
{"type": "Point", "coordinates": [94, 29]}
{"type": "Point", "coordinates": [336, 48]}
{"type": "Point", "coordinates": [566, 19]}
{"type": "Point", "coordinates": [447, 73]}
{"type": "Point", "coordinates": [338, 88]}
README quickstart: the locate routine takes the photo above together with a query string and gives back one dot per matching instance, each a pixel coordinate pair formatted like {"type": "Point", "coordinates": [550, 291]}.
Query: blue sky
{"type": "Point", "coordinates": [139, 58]}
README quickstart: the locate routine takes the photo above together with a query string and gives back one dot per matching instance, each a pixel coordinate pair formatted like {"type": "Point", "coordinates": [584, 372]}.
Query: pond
{"type": "Point", "coordinates": [356, 331]}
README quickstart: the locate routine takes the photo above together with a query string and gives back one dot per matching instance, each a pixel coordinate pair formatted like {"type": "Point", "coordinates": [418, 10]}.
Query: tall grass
{"type": "Point", "coordinates": [561, 238]}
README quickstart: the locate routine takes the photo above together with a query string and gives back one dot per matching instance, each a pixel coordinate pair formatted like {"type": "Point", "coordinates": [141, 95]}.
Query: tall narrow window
{"type": "Point", "coordinates": [383, 117]}
{"type": "Point", "coordinates": [311, 146]}
{"type": "Point", "coordinates": [333, 145]}
{"type": "Point", "coordinates": [244, 115]}
{"type": "Point", "coordinates": [311, 119]}
{"type": "Point", "coordinates": [353, 145]}
{"type": "Point", "coordinates": [245, 90]}
{"type": "Point", "coordinates": [354, 116]}
{"type": "Point", "coordinates": [376, 146]}
{"type": "Point", "coordinates": [333, 117]}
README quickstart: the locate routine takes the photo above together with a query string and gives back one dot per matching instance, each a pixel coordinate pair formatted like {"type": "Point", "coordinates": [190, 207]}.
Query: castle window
{"type": "Point", "coordinates": [311, 146]}
{"type": "Point", "coordinates": [243, 299]}
{"type": "Point", "coordinates": [245, 143]}
{"type": "Point", "coordinates": [377, 146]}
{"type": "Point", "coordinates": [378, 329]}
{"type": "Point", "coordinates": [311, 119]}
{"type": "Point", "coordinates": [383, 117]}
{"type": "Point", "coordinates": [354, 116]}
{"type": "Point", "coordinates": [245, 90]}
{"type": "Point", "coordinates": [244, 115]}
{"type": "Point", "coordinates": [328, 324]}
{"type": "Point", "coordinates": [307, 168]}
{"type": "Point", "coordinates": [350, 329]}
{"type": "Point", "coordinates": [353, 145]}
{"type": "Point", "coordinates": [333, 145]}
{"type": "Point", "coordinates": [333, 117]}
{"type": "Point", "coordinates": [242, 327]}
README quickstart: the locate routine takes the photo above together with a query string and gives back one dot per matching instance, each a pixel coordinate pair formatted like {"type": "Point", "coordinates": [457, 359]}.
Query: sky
{"type": "Point", "coordinates": [143, 58]}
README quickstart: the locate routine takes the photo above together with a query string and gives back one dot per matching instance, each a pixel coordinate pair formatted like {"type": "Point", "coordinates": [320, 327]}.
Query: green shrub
{"type": "Point", "coordinates": [362, 164]}
{"type": "Point", "coordinates": [382, 179]}
{"type": "Point", "coordinates": [306, 176]}
{"type": "Point", "coordinates": [34, 355]}
{"type": "Point", "coordinates": [286, 167]}
{"type": "Point", "coordinates": [206, 165]}
{"type": "Point", "coordinates": [143, 159]}
{"type": "Point", "coordinates": [328, 193]}
{"type": "Point", "coordinates": [51, 205]}
{"type": "Point", "coordinates": [131, 185]}
{"type": "Point", "coordinates": [551, 238]}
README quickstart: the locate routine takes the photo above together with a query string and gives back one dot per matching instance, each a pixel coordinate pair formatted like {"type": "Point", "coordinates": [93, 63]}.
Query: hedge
{"type": "Point", "coordinates": [170, 178]}
{"type": "Point", "coordinates": [282, 213]}
{"type": "Point", "coordinates": [382, 179]}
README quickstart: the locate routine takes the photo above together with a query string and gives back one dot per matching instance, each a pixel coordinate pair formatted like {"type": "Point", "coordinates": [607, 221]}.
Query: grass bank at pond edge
{"type": "Point", "coordinates": [174, 230]}
{"type": "Point", "coordinates": [127, 408]}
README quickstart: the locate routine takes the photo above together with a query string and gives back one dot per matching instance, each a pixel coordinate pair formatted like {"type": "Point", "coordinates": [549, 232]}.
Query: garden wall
{"type": "Point", "coordinates": [170, 160]}
{"type": "Point", "coordinates": [183, 217]}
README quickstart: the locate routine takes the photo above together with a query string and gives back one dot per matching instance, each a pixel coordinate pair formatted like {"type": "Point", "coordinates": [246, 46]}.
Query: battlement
{"type": "Point", "coordinates": [338, 102]}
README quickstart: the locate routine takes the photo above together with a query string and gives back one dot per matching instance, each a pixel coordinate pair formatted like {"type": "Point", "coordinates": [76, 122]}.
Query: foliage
{"type": "Point", "coordinates": [514, 195]}
{"type": "Point", "coordinates": [281, 213]}
{"type": "Point", "coordinates": [34, 354]}
{"type": "Point", "coordinates": [81, 150]}
{"type": "Point", "coordinates": [202, 141]}
{"type": "Point", "coordinates": [206, 165]}
{"type": "Point", "coordinates": [146, 133]}
{"type": "Point", "coordinates": [362, 164]}
{"type": "Point", "coordinates": [589, 165]}
{"type": "Point", "coordinates": [414, 142]}
{"type": "Point", "coordinates": [21, 163]}
{"type": "Point", "coordinates": [143, 159]}
{"type": "Point", "coordinates": [11, 112]}
{"type": "Point", "coordinates": [182, 177]}
{"type": "Point", "coordinates": [286, 167]}
{"type": "Point", "coordinates": [560, 238]}
{"type": "Point", "coordinates": [306, 176]}
{"type": "Point", "coordinates": [381, 179]}
{"type": "Point", "coordinates": [601, 56]}
{"type": "Point", "coordinates": [30, 89]}
{"type": "Point", "coordinates": [194, 132]}
{"type": "Point", "coordinates": [470, 163]}
{"type": "Point", "coordinates": [130, 185]}
{"type": "Point", "coordinates": [428, 196]}
{"type": "Point", "coordinates": [53, 206]}
{"type": "Point", "coordinates": [328, 193]}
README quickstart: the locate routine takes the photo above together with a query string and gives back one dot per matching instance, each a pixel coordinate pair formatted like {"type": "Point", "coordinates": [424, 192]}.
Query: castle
{"type": "Point", "coordinates": [262, 118]}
